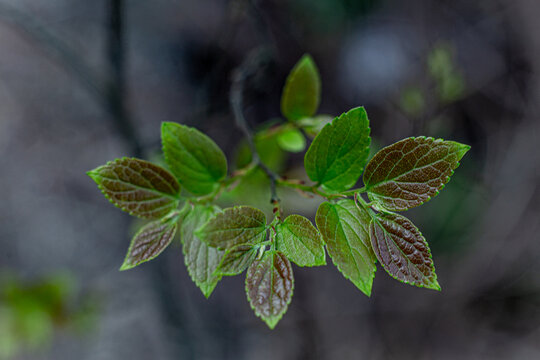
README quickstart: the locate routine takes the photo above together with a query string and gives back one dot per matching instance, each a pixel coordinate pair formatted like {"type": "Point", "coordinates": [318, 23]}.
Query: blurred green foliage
{"type": "Point", "coordinates": [30, 312]}
{"type": "Point", "coordinates": [449, 81]}
{"type": "Point", "coordinates": [412, 101]}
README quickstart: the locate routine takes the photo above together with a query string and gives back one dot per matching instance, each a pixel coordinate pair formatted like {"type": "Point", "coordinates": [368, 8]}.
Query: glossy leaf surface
{"type": "Point", "coordinates": [138, 187]}
{"type": "Point", "coordinates": [410, 172]}
{"type": "Point", "coordinates": [300, 241]}
{"type": "Point", "coordinates": [269, 286]}
{"type": "Point", "coordinates": [194, 158]}
{"type": "Point", "coordinates": [235, 226]}
{"type": "Point", "coordinates": [302, 92]}
{"type": "Point", "coordinates": [149, 242]}
{"type": "Point", "coordinates": [345, 230]}
{"type": "Point", "coordinates": [339, 152]}
{"type": "Point", "coordinates": [201, 260]}
{"type": "Point", "coordinates": [403, 251]}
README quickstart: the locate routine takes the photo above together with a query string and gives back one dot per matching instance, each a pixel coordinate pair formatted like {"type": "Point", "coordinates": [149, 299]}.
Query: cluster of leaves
{"type": "Point", "coordinates": [225, 242]}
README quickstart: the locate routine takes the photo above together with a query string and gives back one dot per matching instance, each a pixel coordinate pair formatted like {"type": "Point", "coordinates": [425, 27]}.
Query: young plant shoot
{"type": "Point", "coordinates": [356, 232]}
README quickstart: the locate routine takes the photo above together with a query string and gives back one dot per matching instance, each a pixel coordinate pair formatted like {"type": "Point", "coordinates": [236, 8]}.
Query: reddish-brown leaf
{"type": "Point", "coordinates": [410, 172]}
{"type": "Point", "coordinates": [269, 286]}
{"type": "Point", "coordinates": [402, 250]}
{"type": "Point", "coordinates": [149, 242]}
{"type": "Point", "coordinates": [138, 187]}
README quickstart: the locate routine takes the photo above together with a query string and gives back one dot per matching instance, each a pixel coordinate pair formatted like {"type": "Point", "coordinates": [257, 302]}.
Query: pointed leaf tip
{"type": "Point", "coordinates": [138, 187]}
{"type": "Point", "coordinates": [337, 155]}
{"type": "Point", "coordinates": [193, 157]}
{"type": "Point", "coordinates": [403, 251]}
{"type": "Point", "coordinates": [300, 241]}
{"type": "Point", "coordinates": [201, 260]}
{"type": "Point", "coordinates": [269, 287]}
{"type": "Point", "coordinates": [302, 91]}
{"type": "Point", "coordinates": [345, 230]}
{"type": "Point", "coordinates": [149, 242]}
{"type": "Point", "coordinates": [412, 171]}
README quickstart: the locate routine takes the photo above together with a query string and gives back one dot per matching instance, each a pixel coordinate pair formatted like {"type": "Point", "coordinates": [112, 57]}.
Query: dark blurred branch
{"type": "Point", "coordinates": [61, 53]}
{"type": "Point", "coordinates": [254, 62]}
{"type": "Point", "coordinates": [116, 88]}
{"type": "Point", "coordinates": [257, 59]}
{"type": "Point", "coordinates": [53, 48]}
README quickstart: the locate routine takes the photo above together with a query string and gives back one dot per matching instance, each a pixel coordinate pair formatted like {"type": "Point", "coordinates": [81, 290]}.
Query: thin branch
{"type": "Point", "coordinates": [257, 59]}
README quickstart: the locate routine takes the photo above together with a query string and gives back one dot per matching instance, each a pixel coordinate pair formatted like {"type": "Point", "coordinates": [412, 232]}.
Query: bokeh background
{"type": "Point", "coordinates": [84, 82]}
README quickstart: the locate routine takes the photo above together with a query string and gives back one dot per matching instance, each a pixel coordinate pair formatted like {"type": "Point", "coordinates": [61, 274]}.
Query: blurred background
{"type": "Point", "coordinates": [84, 82]}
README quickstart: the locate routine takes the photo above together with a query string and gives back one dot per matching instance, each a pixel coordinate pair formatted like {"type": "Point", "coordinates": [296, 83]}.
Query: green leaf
{"type": "Point", "coordinates": [403, 251]}
{"type": "Point", "coordinates": [195, 159]}
{"type": "Point", "coordinates": [201, 260]}
{"type": "Point", "coordinates": [292, 140]}
{"type": "Point", "coordinates": [339, 152]}
{"type": "Point", "coordinates": [313, 125]}
{"type": "Point", "coordinates": [234, 226]}
{"type": "Point", "coordinates": [300, 241]}
{"type": "Point", "coordinates": [410, 172]}
{"type": "Point", "coordinates": [138, 187]}
{"type": "Point", "coordinates": [236, 260]}
{"type": "Point", "coordinates": [345, 229]}
{"type": "Point", "coordinates": [150, 241]}
{"type": "Point", "coordinates": [269, 286]}
{"type": "Point", "coordinates": [302, 92]}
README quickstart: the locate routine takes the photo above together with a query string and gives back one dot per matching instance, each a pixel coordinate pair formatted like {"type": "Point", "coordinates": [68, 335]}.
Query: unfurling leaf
{"type": "Point", "coordinates": [150, 241]}
{"type": "Point", "coordinates": [345, 229]}
{"type": "Point", "coordinates": [411, 171]}
{"type": "Point", "coordinates": [236, 260]}
{"type": "Point", "coordinates": [194, 158]}
{"type": "Point", "coordinates": [338, 154]}
{"type": "Point", "coordinates": [300, 241]}
{"type": "Point", "coordinates": [138, 187]}
{"type": "Point", "coordinates": [402, 250]}
{"type": "Point", "coordinates": [291, 140]}
{"type": "Point", "coordinates": [201, 260]}
{"type": "Point", "coordinates": [302, 92]}
{"type": "Point", "coordinates": [234, 226]}
{"type": "Point", "coordinates": [269, 286]}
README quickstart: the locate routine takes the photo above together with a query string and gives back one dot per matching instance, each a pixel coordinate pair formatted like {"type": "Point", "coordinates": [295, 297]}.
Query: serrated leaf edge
{"type": "Point", "coordinates": [371, 264]}
{"type": "Point", "coordinates": [290, 77]}
{"type": "Point", "coordinates": [168, 160]}
{"type": "Point", "coordinates": [206, 289]}
{"type": "Point", "coordinates": [274, 320]}
{"type": "Point", "coordinates": [435, 281]}
{"type": "Point", "coordinates": [94, 174]}
{"type": "Point", "coordinates": [125, 266]}
{"type": "Point", "coordinates": [464, 148]}
{"type": "Point", "coordinates": [323, 263]}
{"type": "Point", "coordinates": [321, 134]}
